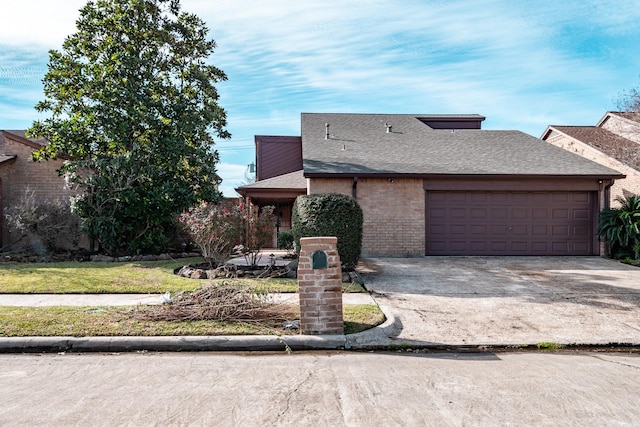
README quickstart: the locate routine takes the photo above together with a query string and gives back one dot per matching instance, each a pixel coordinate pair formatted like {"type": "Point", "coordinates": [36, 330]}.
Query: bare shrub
{"type": "Point", "coordinates": [222, 302]}
{"type": "Point", "coordinates": [44, 225]}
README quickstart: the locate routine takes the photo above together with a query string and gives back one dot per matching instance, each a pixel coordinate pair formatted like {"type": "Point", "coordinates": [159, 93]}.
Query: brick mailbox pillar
{"type": "Point", "coordinates": [320, 286]}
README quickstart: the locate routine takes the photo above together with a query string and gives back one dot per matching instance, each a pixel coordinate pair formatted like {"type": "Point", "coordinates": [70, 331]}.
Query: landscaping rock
{"type": "Point", "coordinates": [199, 274]}
{"type": "Point", "coordinates": [292, 270]}
{"type": "Point", "coordinates": [102, 258]}
{"type": "Point", "coordinates": [356, 278]}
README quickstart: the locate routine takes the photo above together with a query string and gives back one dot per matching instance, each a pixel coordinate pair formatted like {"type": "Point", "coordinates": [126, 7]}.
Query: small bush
{"type": "Point", "coordinates": [48, 225]}
{"type": "Point", "coordinates": [620, 228]}
{"type": "Point", "coordinates": [330, 214]}
{"type": "Point", "coordinates": [285, 241]}
{"type": "Point", "coordinates": [217, 231]}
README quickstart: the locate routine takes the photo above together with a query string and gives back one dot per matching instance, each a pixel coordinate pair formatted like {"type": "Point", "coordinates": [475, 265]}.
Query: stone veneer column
{"type": "Point", "coordinates": [320, 286]}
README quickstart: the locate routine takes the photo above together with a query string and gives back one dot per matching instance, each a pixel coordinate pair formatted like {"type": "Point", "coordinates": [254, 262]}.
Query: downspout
{"type": "Point", "coordinates": [607, 205]}
{"type": "Point", "coordinates": [354, 188]}
{"type": "Point", "coordinates": [607, 194]}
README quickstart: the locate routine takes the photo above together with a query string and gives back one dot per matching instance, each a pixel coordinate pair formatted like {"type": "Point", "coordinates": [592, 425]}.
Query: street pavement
{"type": "Point", "coordinates": [320, 389]}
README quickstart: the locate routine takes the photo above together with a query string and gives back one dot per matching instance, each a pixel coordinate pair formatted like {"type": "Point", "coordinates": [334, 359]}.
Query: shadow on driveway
{"type": "Point", "coordinates": [508, 300]}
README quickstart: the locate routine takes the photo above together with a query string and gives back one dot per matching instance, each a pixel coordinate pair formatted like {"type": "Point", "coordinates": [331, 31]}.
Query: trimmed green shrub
{"type": "Point", "coordinates": [330, 214]}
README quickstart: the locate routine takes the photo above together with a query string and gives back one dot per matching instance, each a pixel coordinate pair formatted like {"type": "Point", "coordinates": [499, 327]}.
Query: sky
{"type": "Point", "coordinates": [524, 65]}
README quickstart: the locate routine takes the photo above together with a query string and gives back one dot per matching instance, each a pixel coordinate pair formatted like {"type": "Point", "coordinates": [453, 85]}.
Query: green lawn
{"type": "Point", "coordinates": [119, 321]}
{"type": "Point", "coordinates": [114, 277]}
{"type": "Point", "coordinates": [95, 277]}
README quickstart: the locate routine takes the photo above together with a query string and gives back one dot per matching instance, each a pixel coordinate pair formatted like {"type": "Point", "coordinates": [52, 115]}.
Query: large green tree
{"type": "Point", "coordinates": [132, 100]}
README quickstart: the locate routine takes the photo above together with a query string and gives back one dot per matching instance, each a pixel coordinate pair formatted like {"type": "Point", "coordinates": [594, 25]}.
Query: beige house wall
{"type": "Point", "coordinates": [622, 187]}
{"type": "Point", "coordinates": [21, 174]}
{"type": "Point", "coordinates": [393, 210]}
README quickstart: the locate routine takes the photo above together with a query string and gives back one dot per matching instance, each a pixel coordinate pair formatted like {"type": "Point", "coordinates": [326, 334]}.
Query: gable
{"type": "Point", "coordinates": [609, 143]}
{"type": "Point", "coordinates": [277, 155]}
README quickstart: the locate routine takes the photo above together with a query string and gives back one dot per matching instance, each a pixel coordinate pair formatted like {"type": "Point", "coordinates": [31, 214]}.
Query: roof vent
{"type": "Point", "coordinates": [389, 127]}
{"type": "Point", "coordinates": [326, 131]}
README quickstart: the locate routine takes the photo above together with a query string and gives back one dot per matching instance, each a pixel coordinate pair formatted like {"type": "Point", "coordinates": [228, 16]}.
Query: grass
{"type": "Point", "coordinates": [549, 346]}
{"type": "Point", "coordinates": [119, 321]}
{"type": "Point", "coordinates": [115, 277]}
{"type": "Point", "coordinates": [95, 277]}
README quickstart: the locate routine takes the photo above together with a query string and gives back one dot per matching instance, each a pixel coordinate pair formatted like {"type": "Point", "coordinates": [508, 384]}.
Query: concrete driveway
{"type": "Point", "coordinates": [506, 300]}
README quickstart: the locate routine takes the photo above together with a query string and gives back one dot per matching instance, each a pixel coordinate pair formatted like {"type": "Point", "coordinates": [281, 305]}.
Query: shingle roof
{"type": "Point", "coordinates": [22, 137]}
{"type": "Point", "coordinates": [621, 149]}
{"type": "Point", "coordinates": [294, 181]}
{"type": "Point", "coordinates": [359, 144]}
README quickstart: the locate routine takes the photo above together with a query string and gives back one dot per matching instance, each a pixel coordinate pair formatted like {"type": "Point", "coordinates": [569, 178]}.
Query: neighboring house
{"type": "Point", "coordinates": [613, 142]}
{"type": "Point", "coordinates": [439, 185]}
{"type": "Point", "coordinates": [19, 173]}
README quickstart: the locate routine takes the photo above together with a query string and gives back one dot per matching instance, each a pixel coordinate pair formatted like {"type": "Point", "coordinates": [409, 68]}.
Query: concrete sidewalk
{"type": "Point", "coordinates": [48, 300]}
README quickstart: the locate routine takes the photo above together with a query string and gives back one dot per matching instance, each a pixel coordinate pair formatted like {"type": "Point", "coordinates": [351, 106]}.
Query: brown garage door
{"type": "Point", "coordinates": [509, 223]}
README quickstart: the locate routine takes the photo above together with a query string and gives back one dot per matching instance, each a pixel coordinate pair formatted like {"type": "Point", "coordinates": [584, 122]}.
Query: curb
{"type": "Point", "coordinates": [180, 343]}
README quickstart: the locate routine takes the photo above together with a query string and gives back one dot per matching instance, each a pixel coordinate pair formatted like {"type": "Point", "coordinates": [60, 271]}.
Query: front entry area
{"type": "Point", "coordinates": [511, 223]}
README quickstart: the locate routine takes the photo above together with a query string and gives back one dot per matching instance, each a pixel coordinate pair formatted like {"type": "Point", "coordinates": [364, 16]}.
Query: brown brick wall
{"type": "Point", "coordinates": [393, 212]}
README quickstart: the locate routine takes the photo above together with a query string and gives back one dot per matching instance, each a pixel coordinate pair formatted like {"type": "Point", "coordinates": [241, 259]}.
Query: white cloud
{"type": "Point", "coordinates": [38, 23]}
{"type": "Point", "coordinates": [233, 176]}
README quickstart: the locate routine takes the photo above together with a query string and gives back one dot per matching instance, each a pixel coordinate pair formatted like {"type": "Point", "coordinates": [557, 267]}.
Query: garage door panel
{"type": "Point", "coordinates": [520, 230]}
{"type": "Point", "coordinates": [560, 213]}
{"type": "Point", "coordinates": [539, 230]}
{"type": "Point", "coordinates": [519, 247]}
{"type": "Point", "coordinates": [478, 246]}
{"type": "Point", "coordinates": [539, 247]}
{"type": "Point", "coordinates": [503, 223]}
{"type": "Point", "coordinates": [519, 213]}
{"type": "Point", "coordinates": [560, 231]}
{"type": "Point", "coordinates": [478, 229]}
{"type": "Point", "coordinates": [581, 214]}
{"type": "Point", "coordinates": [539, 214]}
{"type": "Point", "coordinates": [437, 213]}
{"type": "Point", "coordinates": [478, 213]}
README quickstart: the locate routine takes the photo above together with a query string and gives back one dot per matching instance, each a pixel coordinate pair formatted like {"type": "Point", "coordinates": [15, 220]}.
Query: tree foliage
{"type": "Point", "coordinates": [132, 100]}
{"type": "Point", "coordinates": [620, 227]}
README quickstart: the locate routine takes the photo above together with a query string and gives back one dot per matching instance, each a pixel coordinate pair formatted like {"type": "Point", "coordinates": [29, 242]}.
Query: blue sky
{"type": "Point", "coordinates": [522, 64]}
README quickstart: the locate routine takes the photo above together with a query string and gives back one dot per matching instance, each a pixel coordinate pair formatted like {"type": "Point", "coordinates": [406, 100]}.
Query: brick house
{"type": "Point", "coordinates": [613, 142]}
{"type": "Point", "coordinates": [19, 173]}
{"type": "Point", "coordinates": [440, 185]}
